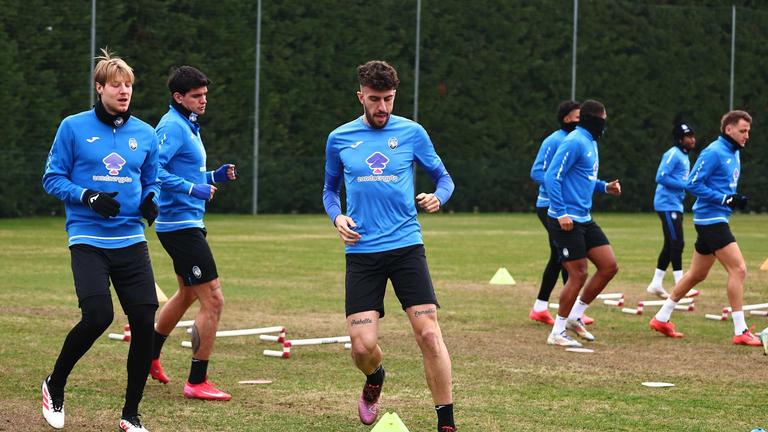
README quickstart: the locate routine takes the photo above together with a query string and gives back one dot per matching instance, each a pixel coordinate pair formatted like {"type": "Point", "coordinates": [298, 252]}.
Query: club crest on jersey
{"type": "Point", "coordinates": [392, 143]}
{"type": "Point", "coordinates": [377, 162]}
{"type": "Point", "coordinates": [594, 168]}
{"type": "Point", "coordinates": [114, 163]}
{"type": "Point", "coordinates": [133, 144]}
{"type": "Point", "coordinates": [735, 174]}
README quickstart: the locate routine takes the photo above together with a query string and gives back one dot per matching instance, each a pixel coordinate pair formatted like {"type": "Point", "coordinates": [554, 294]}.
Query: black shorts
{"type": "Point", "coordinates": [129, 268]}
{"type": "Point", "coordinates": [191, 255]}
{"type": "Point", "coordinates": [367, 275]}
{"type": "Point", "coordinates": [672, 225]}
{"type": "Point", "coordinates": [573, 245]}
{"type": "Point", "coordinates": [713, 237]}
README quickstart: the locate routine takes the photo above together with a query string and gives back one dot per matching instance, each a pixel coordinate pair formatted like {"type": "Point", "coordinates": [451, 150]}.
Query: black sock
{"type": "Point", "coordinates": [198, 371]}
{"type": "Point", "coordinates": [56, 392]}
{"type": "Point", "coordinates": [158, 346]}
{"type": "Point", "coordinates": [444, 415]}
{"type": "Point", "coordinates": [377, 377]}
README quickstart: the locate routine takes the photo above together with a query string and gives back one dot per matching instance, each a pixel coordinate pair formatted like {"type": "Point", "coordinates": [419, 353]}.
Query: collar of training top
{"type": "Point", "coordinates": [680, 146]}
{"type": "Point", "coordinates": [117, 120]}
{"type": "Point", "coordinates": [189, 115]}
{"type": "Point", "coordinates": [734, 144]}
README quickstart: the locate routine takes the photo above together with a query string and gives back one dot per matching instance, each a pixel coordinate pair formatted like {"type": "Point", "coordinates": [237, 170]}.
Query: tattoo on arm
{"type": "Point", "coordinates": [362, 321]}
{"type": "Point", "coordinates": [195, 339]}
{"type": "Point", "coordinates": [431, 311]}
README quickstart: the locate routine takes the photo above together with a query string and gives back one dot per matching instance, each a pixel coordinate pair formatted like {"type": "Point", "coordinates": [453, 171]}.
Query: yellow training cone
{"type": "Point", "coordinates": [390, 422]}
{"type": "Point", "coordinates": [161, 297]}
{"type": "Point", "coordinates": [502, 277]}
{"type": "Point", "coordinates": [764, 267]}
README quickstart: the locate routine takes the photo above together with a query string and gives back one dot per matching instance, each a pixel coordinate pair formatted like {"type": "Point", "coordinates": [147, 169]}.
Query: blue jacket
{"type": "Point", "coordinates": [182, 165]}
{"type": "Point", "coordinates": [571, 178]}
{"type": "Point", "coordinates": [541, 163]}
{"type": "Point", "coordinates": [671, 178]}
{"type": "Point", "coordinates": [377, 168]}
{"type": "Point", "coordinates": [89, 154]}
{"type": "Point", "coordinates": [714, 176]}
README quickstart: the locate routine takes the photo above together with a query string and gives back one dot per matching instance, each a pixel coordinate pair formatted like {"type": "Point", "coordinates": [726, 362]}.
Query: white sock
{"type": "Point", "coordinates": [678, 274]}
{"type": "Point", "coordinates": [658, 277]}
{"type": "Point", "coordinates": [739, 324]}
{"type": "Point", "coordinates": [540, 305]}
{"type": "Point", "coordinates": [665, 313]}
{"type": "Point", "coordinates": [578, 309]}
{"type": "Point", "coordinates": [559, 326]}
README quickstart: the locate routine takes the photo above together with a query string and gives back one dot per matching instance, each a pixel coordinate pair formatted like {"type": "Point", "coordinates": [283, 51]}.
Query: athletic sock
{"type": "Point", "coordinates": [198, 371]}
{"type": "Point", "coordinates": [559, 326]}
{"type": "Point", "coordinates": [658, 277]}
{"type": "Point", "coordinates": [739, 324]}
{"type": "Point", "coordinates": [56, 392]}
{"type": "Point", "coordinates": [678, 274]}
{"type": "Point", "coordinates": [665, 313]}
{"type": "Point", "coordinates": [444, 415]}
{"type": "Point", "coordinates": [578, 309]}
{"type": "Point", "coordinates": [540, 305]}
{"type": "Point", "coordinates": [377, 377]}
{"type": "Point", "coordinates": [158, 345]}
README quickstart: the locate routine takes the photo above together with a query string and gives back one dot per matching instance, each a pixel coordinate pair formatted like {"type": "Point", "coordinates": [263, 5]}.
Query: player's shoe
{"type": "Point", "coordinates": [657, 290]}
{"type": "Point", "coordinates": [543, 317]}
{"type": "Point", "coordinates": [747, 338]}
{"type": "Point", "coordinates": [578, 327]}
{"type": "Point", "coordinates": [205, 391]}
{"type": "Point", "coordinates": [448, 429]}
{"type": "Point", "coordinates": [368, 405]}
{"type": "Point", "coordinates": [563, 340]}
{"type": "Point", "coordinates": [692, 293]}
{"type": "Point", "coordinates": [53, 408]}
{"type": "Point", "coordinates": [665, 328]}
{"type": "Point", "coordinates": [132, 424]}
{"type": "Point", "coordinates": [157, 373]}
{"type": "Point", "coordinates": [587, 320]}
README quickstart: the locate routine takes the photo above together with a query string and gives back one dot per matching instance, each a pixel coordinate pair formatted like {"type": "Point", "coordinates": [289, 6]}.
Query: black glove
{"type": "Point", "coordinates": [736, 201]}
{"type": "Point", "coordinates": [149, 209]}
{"type": "Point", "coordinates": [102, 203]}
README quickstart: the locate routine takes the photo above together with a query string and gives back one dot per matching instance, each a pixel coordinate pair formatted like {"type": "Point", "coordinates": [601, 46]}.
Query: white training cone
{"type": "Point", "coordinates": [502, 277]}
{"type": "Point", "coordinates": [161, 297]}
{"type": "Point", "coordinates": [764, 267]}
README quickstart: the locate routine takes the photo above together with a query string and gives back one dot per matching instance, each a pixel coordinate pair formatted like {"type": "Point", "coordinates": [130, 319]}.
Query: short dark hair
{"type": "Point", "coordinates": [378, 75]}
{"type": "Point", "coordinates": [565, 108]}
{"type": "Point", "coordinates": [186, 78]}
{"type": "Point", "coordinates": [591, 107]}
{"type": "Point", "coordinates": [733, 117]}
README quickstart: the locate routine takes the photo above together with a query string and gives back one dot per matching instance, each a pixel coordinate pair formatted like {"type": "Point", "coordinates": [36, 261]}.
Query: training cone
{"type": "Point", "coordinates": [161, 297]}
{"type": "Point", "coordinates": [502, 277]}
{"type": "Point", "coordinates": [390, 422]}
{"type": "Point", "coordinates": [764, 267]}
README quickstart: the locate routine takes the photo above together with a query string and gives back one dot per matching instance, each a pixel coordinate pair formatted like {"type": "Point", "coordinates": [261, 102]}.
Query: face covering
{"type": "Point", "coordinates": [568, 127]}
{"type": "Point", "coordinates": [595, 125]}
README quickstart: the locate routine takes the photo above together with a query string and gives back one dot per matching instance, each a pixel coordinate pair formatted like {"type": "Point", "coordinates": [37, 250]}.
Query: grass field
{"type": "Point", "coordinates": [289, 270]}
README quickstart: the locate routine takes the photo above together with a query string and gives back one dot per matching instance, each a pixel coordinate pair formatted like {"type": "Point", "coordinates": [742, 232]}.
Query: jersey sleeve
{"type": "Point", "coordinates": [425, 154]}
{"type": "Point", "coordinates": [170, 141]}
{"type": "Point", "coordinates": [666, 169]}
{"type": "Point", "coordinates": [149, 171]}
{"type": "Point", "coordinates": [601, 187]}
{"type": "Point", "coordinates": [58, 168]}
{"type": "Point", "coordinates": [704, 167]}
{"type": "Point", "coordinates": [539, 167]}
{"type": "Point", "coordinates": [332, 183]}
{"type": "Point", "coordinates": [562, 161]}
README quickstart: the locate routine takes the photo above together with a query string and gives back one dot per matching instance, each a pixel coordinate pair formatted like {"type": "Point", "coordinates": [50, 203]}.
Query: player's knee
{"type": "Point", "coordinates": [611, 269]}
{"type": "Point", "coordinates": [362, 347]}
{"type": "Point", "coordinates": [97, 313]}
{"type": "Point", "coordinates": [677, 247]}
{"type": "Point", "coordinates": [579, 275]}
{"type": "Point", "coordinates": [697, 276]}
{"type": "Point", "coordinates": [739, 272]}
{"type": "Point", "coordinates": [429, 341]}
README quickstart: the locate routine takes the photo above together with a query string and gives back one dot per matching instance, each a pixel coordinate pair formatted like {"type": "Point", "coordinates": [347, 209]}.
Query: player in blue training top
{"type": "Point", "coordinates": [186, 186]}
{"type": "Point", "coordinates": [571, 180]}
{"type": "Point", "coordinates": [713, 181]}
{"type": "Point", "coordinates": [671, 177]}
{"type": "Point", "coordinates": [568, 117]}
{"type": "Point", "coordinates": [374, 156]}
{"type": "Point", "coordinates": [103, 165]}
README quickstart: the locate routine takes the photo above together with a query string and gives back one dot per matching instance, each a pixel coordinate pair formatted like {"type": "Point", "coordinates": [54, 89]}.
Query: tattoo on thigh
{"type": "Point", "coordinates": [362, 321]}
{"type": "Point", "coordinates": [425, 312]}
{"type": "Point", "coordinates": [195, 339]}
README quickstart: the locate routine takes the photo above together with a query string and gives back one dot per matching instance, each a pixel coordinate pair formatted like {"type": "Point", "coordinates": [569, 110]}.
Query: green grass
{"type": "Point", "coordinates": [289, 270]}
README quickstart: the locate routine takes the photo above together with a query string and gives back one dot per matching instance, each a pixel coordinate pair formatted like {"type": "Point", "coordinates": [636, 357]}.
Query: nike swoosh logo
{"type": "Point", "coordinates": [356, 145]}
{"type": "Point", "coordinates": [93, 198]}
{"type": "Point", "coordinates": [92, 139]}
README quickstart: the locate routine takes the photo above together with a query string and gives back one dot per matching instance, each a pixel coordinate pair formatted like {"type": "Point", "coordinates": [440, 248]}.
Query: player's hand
{"type": "Point", "coordinates": [346, 228]}
{"type": "Point", "coordinates": [203, 191]}
{"type": "Point", "coordinates": [102, 203]}
{"type": "Point", "coordinates": [735, 201]}
{"type": "Point", "coordinates": [566, 224]}
{"type": "Point", "coordinates": [149, 209]}
{"type": "Point", "coordinates": [613, 188]}
{"type": "Point", "coordinates": [225, 173]}
{"type": "Point", "coordinates": [428, 202]}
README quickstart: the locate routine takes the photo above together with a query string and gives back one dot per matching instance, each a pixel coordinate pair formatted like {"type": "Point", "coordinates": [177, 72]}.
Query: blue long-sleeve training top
{"type": "Point", "coordinates": [541, 163]}
{"type": "Point", "coordinates": [377, 167]}
{"type": "Point", "coordinates": [571, 178]}
{"type": "Point", "coordinates": [714, 176]}
{"type": "Point", "coordinates": [671, 178]}
{"type": "Point", "coordinates": [182, 165]}
{"type": "Point", "coordinates": [89, 154]}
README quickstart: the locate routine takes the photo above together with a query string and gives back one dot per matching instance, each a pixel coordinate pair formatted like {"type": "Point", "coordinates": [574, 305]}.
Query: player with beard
{"type": "Point", "coordinates": [374, 156]}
